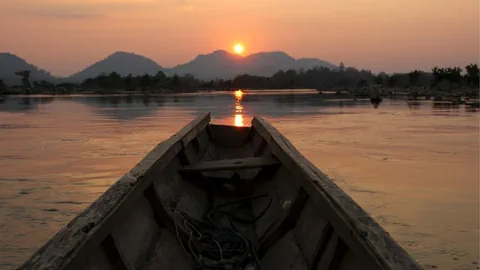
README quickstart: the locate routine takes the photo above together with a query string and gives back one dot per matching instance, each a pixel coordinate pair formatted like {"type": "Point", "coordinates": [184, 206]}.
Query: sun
{"type": "Point", "coordinates": [239, 48]}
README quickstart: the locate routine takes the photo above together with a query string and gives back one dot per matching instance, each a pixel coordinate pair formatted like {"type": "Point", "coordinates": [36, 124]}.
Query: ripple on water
{"type": "Point", "coordinates": [50, 210]}
{"type": "Point", "coordinates": [14, 126]}
{"type": "Point", "coordinates": [16, 180]}
{"type": "Point", "coordinates": [360, 190]}
{"type": "Point", "coordinates": [27, 191]}
{"type": "Point", "coordinates": [68, 202]}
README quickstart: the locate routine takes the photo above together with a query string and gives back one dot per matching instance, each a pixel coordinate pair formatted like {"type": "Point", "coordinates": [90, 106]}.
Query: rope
{"type": "Point", "coordinates": [215, 246]}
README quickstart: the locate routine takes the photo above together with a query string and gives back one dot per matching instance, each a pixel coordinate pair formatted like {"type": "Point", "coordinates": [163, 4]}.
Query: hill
{"type": "Point", "coordinates": [121, 62]}
{"type": "Point", "coordinates": [224, 65]}
{"type": "Point", "coordinates": [218, 64]}
{"type": "Point", "coordinates": [10, 63]}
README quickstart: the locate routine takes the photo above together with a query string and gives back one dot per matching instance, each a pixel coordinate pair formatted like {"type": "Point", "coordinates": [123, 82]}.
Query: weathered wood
{"type": "Point", "coordinates": [284, 255]}
{"type": "Point", "coordinates": [92, 226]}
{"type": "Point", "coordinates": [357, 229]}
{"type": "Point", "coordinates": [219, 152]}
{"type": "Point", "coordinates": [282, 195]}
{"type": "Point", "coordinates": [159, 213]}
{"type": "Point", "coordinates": [116, 260]}
{"type": "Point", "coordinates": [333, 255]}
{"type": "Point", "coordinates": [196, 150]}
{"type": "Point", "coordinates": [98, 261]}
{"type": "Point", "coordinates": [169, 254]}
{"type": "Point", "coordinates": [338, 255]}
{"type": "Point", "coordinates": [287, 224]}
{"type": "Point", "coordinates": [311, 232]}
{"type": "Point", "coordinates": [326, 235]}
{"type": "Point", "coordinates": [211, 136]}
{"type": "Point", "coordinates": [230, 136]}
{"type": "Point", "coordinates": [137, 235]}
{"type": "Point", "coordinates": [259, 150]}
{"type": "Point", "coordinates": [162, 215]}
{"type": "Point", "coordinates": [231, 164]}
{"type": "Point", "coordinates": [349, 261]}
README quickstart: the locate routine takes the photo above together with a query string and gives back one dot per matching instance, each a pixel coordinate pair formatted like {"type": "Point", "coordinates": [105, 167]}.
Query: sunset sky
{"type": "Point", "coordinates": [64, 36]}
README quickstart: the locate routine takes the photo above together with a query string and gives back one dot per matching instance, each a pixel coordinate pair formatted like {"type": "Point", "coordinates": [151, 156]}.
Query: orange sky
{"type": "Point", "coordinates": [64, 36]}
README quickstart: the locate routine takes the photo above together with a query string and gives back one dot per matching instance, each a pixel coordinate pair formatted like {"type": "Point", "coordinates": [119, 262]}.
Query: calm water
{"type": "Point", "coordinates": [413, 167]}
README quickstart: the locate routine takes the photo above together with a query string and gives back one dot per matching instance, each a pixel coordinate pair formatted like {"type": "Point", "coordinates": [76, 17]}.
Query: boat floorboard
{"type": "Point", "coordinates": [231, 164]}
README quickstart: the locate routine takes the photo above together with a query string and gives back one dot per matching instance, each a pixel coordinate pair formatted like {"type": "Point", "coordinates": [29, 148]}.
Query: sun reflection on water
{"type": "Point", "coordinates": [238, 120]}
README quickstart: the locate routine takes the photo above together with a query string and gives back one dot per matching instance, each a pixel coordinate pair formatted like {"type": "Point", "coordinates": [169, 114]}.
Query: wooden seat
{"type": "Point", "coordinates": [231, 164]}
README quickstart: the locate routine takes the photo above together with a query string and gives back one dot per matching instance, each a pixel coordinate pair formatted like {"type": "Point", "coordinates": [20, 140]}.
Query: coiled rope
{"type": "Point", "coordinates": [216, 246]}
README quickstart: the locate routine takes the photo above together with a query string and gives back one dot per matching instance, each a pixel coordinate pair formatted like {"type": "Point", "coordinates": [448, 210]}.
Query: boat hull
{"type": "Point", "coordinates": [224, 182]}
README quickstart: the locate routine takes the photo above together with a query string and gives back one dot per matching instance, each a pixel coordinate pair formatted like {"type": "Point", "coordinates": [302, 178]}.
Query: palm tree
{"type": "Point", "coordinates": [25, 74]}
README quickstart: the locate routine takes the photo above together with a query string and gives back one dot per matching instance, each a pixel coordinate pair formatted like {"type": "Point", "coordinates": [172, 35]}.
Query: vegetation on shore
{"type": "Point", "coordinates": [439, 82]}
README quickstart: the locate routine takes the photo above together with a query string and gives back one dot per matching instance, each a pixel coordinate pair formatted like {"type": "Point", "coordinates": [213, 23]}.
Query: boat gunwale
{"type": "Point", "coordinates": [90, 227]}
{"type": "Point", "coordinates": [357, 227]}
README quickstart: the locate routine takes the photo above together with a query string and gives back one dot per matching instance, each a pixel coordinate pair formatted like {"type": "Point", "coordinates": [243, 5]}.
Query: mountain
{"type": "Point", "coordinates": [121, 62]}
{"type": "Point", "coordinates": [218, 64]}
{"type": "Point", "coordinates": [10, 63]}
{"type": "Point", "coordinates": [224, 65]}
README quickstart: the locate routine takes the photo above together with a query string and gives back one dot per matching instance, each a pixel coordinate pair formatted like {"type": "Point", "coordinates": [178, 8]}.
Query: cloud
{"type": "Point", "coordinates": [67, 14]}
{"type": "Point", "coordinates": [87, 9]}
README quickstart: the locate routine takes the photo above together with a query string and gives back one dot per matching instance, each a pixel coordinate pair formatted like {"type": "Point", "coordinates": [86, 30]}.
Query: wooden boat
{"type": "Point", "coordinates": [223, 197]}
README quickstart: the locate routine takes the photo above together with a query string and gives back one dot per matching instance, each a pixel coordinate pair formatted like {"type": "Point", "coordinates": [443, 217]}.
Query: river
{"type": "Point", "coordinates": [413, 166]}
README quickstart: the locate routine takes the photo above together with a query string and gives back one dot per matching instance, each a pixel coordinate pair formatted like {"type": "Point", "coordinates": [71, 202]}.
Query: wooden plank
{"type": "Point", "coordinates": [287, 224]}
{"type": "Point", "coordinates": [338, 256]}
{"type": "Point", "coordinates": [322, 244]}
{"type": "Point", "coordinates": [311, 231]}
{"type": "Point", "coordinates": [358, 229]}
{"type": "Point", "coordinates": [327, 256]}
{"type": "Point", "coordinates": [349, 261]}
{"type": "Point", "coordinates": [231, 164]}
{"type": "Point", "coordinates": [117, 261]}
{"type": "Point", "coordinates": [87, 230]}
{"type": "Point", "coordinates": [332, 257]}
{"type": "Point", "coordinates": [169, 254]}
{"type": "Point", "coordinates": [211, 136]}
{"type": "Point", "coordinates": [98, 261]}
{"type": "Point", "coordinates": [160, 215]}
{"type": "Point", "coordinates": [284, 255]}
{"type": "Point", "coordinates": [195, 151]}
{"type": "Point", "coordinates": [272, 183]}
{"type": "Point", "coordinates": [137, 235]}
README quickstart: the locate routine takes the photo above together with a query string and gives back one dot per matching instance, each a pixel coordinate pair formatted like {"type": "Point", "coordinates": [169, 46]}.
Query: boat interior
{"type": "Point", "coordinates": [223, 197]}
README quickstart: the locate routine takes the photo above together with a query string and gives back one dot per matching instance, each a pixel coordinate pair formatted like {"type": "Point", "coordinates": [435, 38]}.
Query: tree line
{"type": "Point", "coordinates": [450, 79]}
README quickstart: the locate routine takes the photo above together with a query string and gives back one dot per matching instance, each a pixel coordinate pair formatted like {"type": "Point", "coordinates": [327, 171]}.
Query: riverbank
{"type": "Point", "coordinates": [426, 93]}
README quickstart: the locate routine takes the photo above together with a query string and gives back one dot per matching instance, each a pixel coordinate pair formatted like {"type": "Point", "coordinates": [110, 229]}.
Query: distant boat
{"type": "Point", "coordinates": [223, 197]}
{"type": "Point", "coordinates": [376, 99]}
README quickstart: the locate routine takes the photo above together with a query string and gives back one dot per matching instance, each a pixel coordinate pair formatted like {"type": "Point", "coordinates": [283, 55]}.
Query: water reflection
{"type": "Point", "coordinates": [23, 104]}
{"type": "Point", "coordinates": [413, 105]}
{"type": "Point", "coordinates": [235, 111]}
{"type": "Point", "coordinates": [126, 107]}
{"type": "Point", "coordinates": [375, 101]}
{"type": "Point", "coordinates": [238, 120]}
{"type": "Point", "coordinates": [445, 106]}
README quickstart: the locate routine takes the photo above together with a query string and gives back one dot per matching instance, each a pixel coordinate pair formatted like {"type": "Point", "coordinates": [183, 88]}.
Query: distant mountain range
{"type": "Point", "coordinates": [218, 64]}
{"type": "Point", "coordinates": [224, 65]}
{"type": "Point", "coordinates": [9, 64]}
